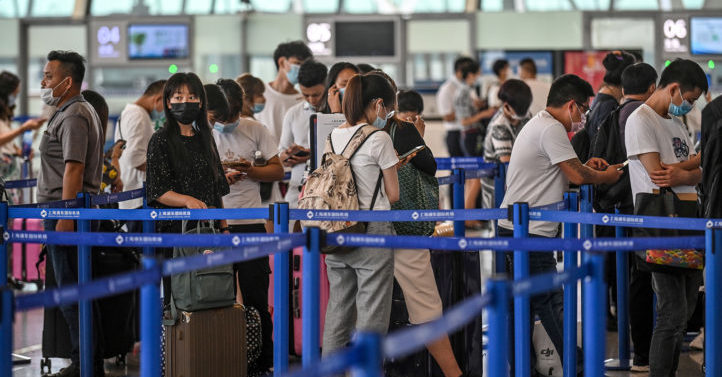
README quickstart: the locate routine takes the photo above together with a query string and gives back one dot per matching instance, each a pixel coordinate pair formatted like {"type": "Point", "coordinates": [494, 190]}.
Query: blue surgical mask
{"type": "Point", "coordinates": [258, 107]}
{"type": "Point", "coordinates": [381, 122]}
{"type": "Point", "coordinates": [226, 128]}
{"type": "Point", "coordinates": [156, 115]}
{"type": "Point", "coordinates": [292, 74]}
{"type": "Point", "coordinates": [12, 100]}
{"type": "Point", "coordinates": [680, 110]}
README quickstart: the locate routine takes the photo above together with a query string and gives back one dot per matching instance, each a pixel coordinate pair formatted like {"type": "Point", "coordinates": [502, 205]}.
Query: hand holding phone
{"type": "Point", "coordinates": [412, 151]}
{"type": "Point", "coordinates": [624, 165]}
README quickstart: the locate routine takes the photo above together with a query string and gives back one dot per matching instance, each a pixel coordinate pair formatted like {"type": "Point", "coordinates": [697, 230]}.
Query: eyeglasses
{"type": "Point", "coordinates": [584, 108]}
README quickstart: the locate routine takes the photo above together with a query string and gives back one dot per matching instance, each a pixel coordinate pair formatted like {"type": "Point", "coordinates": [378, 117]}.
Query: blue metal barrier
{"type": "Point", "coordinates": [6, 311]}
{"type": "Point", "coordinates": [150, 311]}
{"type": "Point", "coordinates": [499, 191]}
{"type": "Point", "coordinates": [281, 294]}
{"type": "Point", "coordinates": [713, 303]}
{"type": "Point", "coordinates": [622, 265]}
{"type": "Point", "coordinates": [310, 306]}
{"type": "Point", "coordinates": [571, 260]}
{"type": "Point", "coordinates": [498, 328]}
{"type": "Point", "coordinates": [85, 307]}
{"type": "Point", "coordinates": [458, 201]}
{"type": "Point", "coordinates": [522, 310]}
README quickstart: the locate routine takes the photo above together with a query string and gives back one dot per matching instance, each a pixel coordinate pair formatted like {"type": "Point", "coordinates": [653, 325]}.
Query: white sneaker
{"type": "Point", "coordinates": [698, 342]}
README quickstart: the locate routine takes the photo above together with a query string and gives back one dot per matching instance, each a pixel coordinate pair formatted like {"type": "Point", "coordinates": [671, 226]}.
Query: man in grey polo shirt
{"type": "Point", "coordinates": [71, 162]}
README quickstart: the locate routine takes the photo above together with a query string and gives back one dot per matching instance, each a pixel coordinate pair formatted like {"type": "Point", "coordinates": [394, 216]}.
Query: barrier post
{"type": "Point", "coordinates": [571, 260]}
{"type": "Point", "coordinates": [371, 359]}
{"type": "Point", "coordinates": [622, 307]}
{"type": "Point", "coordinates": [713, 303]}
{"type": "Point", "coordinates": [498, 328]}
{"type": "Point", "coordinates": [586, 231]}
{"type": "Point", "coordinates": [85, 307]}
{"type": "Point", "coordinates": [6, 298]}
{"type": "Point", "coordinates": [150, 312]}
{"type": "Point", "coordinates": [458, 200]}
{"type": "Point", "coordinates": [594, 299]}
{"type": "Point", "coordinates": [499, 191]}
{"type": "Point", "coordinates": [280, 294]}
{"type": "Point", "coordinates": [522, 310]}
{"type": "Point", "coordinates": [310, 305]}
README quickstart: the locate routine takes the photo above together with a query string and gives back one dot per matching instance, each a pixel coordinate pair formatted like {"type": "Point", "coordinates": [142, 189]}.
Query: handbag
{"type": "Point", "coordinates": [666, 203]}
{"type": "Point", "coordinates": [208, 288]}
{"type": "Point", "coordinates": [419, 191]}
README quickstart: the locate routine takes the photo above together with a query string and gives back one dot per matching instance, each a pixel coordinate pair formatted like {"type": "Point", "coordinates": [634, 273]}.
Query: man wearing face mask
{"type": "Point", "coordinates": [281, 93]}
{"type": "Point", "coordinates": [541, 166]}
{"type": "Point", "coordinates": [135, 126]}
{"type": "Point", "coordinates": [294, 146]}
{"type": "Point", "coordinates": [71, 162]}
{"type": "Point", "coordinates": [662, 155]}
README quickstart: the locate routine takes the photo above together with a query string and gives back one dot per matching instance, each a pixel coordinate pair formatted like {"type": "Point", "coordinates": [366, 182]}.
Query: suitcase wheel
{"type": "Point", "coordinates": [45, 363]}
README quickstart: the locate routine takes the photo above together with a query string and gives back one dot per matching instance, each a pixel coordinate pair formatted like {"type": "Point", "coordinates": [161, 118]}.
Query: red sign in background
{"type": "Point", "coordinates": [587, 65]}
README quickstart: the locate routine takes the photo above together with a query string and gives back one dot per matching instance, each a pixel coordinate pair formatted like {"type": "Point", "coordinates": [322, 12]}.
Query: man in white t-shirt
{"type": "Point", "coordinates": [281, 93]}
{"type": "Point", "coordinates": [539, 89]}
{"type": "Point", "coordinates": [294, 145]}
{"type": "Point", "coordinates": [445, 102]}
{"type": "Point", "coordinates": [135, 126]}
{"type": "Point", "coordinates": [662, 155]}
{"type": "Point", "coordinates": [542, 164]}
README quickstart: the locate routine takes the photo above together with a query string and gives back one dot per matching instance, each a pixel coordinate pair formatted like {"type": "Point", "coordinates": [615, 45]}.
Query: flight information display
{"type": "Point", "coordinates": [159, 41]}
{"type": "Point", "coordinates": [706, 36]}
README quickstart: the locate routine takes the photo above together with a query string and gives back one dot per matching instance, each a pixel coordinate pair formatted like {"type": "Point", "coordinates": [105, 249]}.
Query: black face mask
{"type": "Point", "coordinates": [185, 112]}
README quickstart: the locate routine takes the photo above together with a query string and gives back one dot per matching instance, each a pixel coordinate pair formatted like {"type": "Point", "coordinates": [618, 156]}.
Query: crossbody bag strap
{"type": "Point", "coordinates": [376, 191]}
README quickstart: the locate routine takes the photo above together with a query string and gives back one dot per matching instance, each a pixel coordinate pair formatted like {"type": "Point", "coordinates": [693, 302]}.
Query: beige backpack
{"type": "Point", "coordinates": [333, 186]}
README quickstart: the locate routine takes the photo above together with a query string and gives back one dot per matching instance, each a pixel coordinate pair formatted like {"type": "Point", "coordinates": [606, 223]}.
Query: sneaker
{"type": "Point", "coordinates": [697, 343]}
{"type": "Point", "coordinates": [71, 370]}
{"type": "Point", "coordinates": [639, 367]}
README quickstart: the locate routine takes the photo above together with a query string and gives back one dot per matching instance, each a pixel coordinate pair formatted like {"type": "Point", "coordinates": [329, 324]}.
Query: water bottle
{"type": "Point", "coordinates": [27, 143]}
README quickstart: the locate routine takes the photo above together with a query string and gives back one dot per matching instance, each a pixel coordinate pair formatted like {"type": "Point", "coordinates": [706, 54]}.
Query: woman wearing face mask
{"type": "Point", "coordinates": [361, 280]}
{"type": "Point", "coordinates": [253, 100]}
{"type": "Point", "coordinates": [183, 167]}
{"type": "Point", "coordinates": [238, 139]}
{"type": "Point", "coordinates": [515, 97]}
{"type": "Point", "coordinates": [336, 82]}
{"type": "Point", "coordinates": [9, 90]}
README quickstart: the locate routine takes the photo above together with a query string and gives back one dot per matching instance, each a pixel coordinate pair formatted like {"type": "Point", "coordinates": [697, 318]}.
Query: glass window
{"type": "Point", "coordinates": [164, 7]}
{"type": "Point", "coordinates": [52, 8]}
{"type": "Point", "coordinates": [320, 6]}
{"type": "Point", "coordinates": [13, 8]}
{"type": "Point", "coordinates": [636, 5]}
{"type": "Point", "coordinates": [230, 6]}
{"type": "Point", "coordinates": [358, 6]}
{"type": "Point", "coordinates": [104, 8]}
{"type": "Point", "coordinates": [548, 5]}
{"type": "Point", "coordinates": [263, 67]}
{"type": "Point", "coordinates": [198, 7]}
{"type": "Point", "coordinates": [492, 5]}
{"type": "Point", "coordinates": [271, 6]}
{"type": "Point", "coordinates": [592, 4]}
{"type": "Point", "coordinates": [693, 4]}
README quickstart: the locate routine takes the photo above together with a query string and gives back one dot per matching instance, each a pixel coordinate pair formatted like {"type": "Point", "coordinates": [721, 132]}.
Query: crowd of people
{"type": "Point", "coordinates": [226, 145]}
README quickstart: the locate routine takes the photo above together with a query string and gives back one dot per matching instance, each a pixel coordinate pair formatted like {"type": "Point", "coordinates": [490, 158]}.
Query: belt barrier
{"type": "Point", "coordinates": [22, 183]}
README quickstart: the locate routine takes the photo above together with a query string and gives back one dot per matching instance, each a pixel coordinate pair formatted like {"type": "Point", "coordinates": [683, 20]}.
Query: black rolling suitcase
{"type": "Point", "coordinates": [458, 276]}
{"type": "Point", "coordinates": [416, 364]}
{"type": "Point", "coordinates": [118, 315]}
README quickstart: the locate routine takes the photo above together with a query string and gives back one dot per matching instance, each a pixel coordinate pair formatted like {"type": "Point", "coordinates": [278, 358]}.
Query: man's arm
{"type": "Point", "coordinates": [664, 175]}
{"type": "Point", "coordinates": [72, 185]}
{"type": "Point", "coordinates": [579, 174]}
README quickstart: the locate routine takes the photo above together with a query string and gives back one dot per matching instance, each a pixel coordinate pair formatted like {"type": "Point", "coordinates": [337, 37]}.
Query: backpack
{"type": "Point", "coordinates": [609, 145]}
{"type": "Point", "coordinates": [333, 185]}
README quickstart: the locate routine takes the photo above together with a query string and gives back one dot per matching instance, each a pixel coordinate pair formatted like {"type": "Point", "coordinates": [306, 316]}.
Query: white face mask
{"type": "Point", "coordinates": [46, 94]}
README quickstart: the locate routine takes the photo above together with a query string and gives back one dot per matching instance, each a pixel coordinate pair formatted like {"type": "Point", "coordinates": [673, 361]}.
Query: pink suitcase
{"type": "Point", "coordinates": [296, 296]}
{"type": "Point", "coordinates": [26, 256]}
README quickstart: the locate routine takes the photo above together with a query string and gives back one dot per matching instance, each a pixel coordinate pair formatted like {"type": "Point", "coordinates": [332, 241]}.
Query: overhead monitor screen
{"type": "Point", "coordinates": [361, 38]}
{"type": "Point", "coordinates": [159, 41]}
{"type": "Point", "coordinates": [706, 35]}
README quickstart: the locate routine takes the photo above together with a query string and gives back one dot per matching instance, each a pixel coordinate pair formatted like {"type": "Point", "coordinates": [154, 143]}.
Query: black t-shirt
{"type": "Point", "coordinates": [406, 138]}
{"type": "Point", "coordinates": [603, 105]}
{"type": "Point", "coordinates": [195, 178]}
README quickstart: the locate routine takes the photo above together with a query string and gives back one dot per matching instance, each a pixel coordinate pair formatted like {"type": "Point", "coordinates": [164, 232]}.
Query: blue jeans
{"type": "Point", "coordinates": [676, 299]}
{"type": "Point", "coordinates": [65, 267]}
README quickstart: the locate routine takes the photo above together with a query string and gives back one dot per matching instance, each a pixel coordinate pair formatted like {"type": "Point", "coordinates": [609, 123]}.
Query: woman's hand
{"type": "Point", "coordinates": [233, 176]}
{"type": "Point", "coordinates": [33, 124]}
{"type": "Point", "coordinates": [402, 162]}
{"type": "Point", "coordinates": [193, 203]}
{"type": "Point", "coordinates": [334, 99]}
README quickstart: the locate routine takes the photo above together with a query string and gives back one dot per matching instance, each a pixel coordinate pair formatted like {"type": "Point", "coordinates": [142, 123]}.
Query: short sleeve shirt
{"type": "Point", "coordinates": [136, 128]}
{"type": "Point", "coordinates": [534, 175]}
{"type": "Point", "coordinates": [250, 136]}
{"type": "Point", "coordinates": [73, 134]}
{"type": "Point", "coordinates": [648, 132]}
{"type": "Point", "coordinates": [463, 103]}
{"type": "Point", "coordinates": [376, 154]}
{"type": "Point", "coordinates": [445, 101]}
{"type": "Point", "coordinates": [500, 136]}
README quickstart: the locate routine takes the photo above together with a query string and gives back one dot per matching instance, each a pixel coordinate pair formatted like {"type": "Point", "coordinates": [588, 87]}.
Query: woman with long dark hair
{"type": "Point", "coordinates": [184, 170]}
{"type": "Point", "coordinates": [338, 77]}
